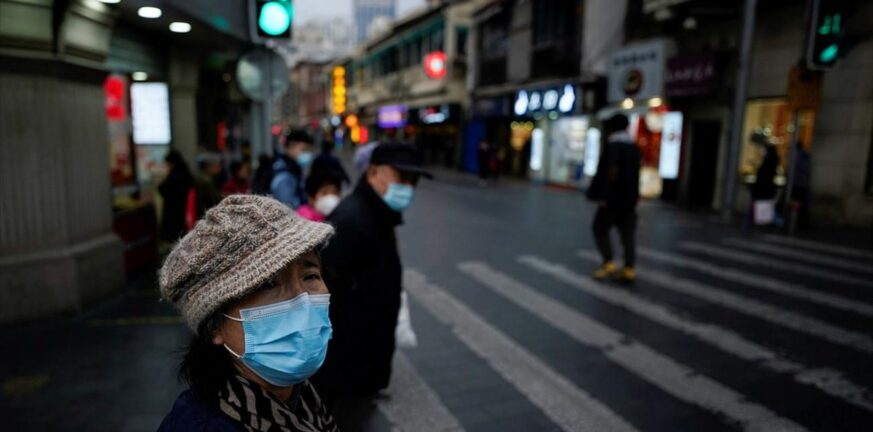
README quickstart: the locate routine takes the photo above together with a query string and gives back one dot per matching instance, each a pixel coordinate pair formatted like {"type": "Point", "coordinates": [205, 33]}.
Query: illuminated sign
{"type": "Point", "coordinates": [338, 89]}
{"type": "Point", "coordinates": [671, 143]}
{"type": "Point", "coordinates": [553, 100]}
{"type": "Point", "coordinates": [391, 116]}
{"type": "Point", "coordinates": [435, 65]}
{"type": "Point", "coordinates": [150, 113]}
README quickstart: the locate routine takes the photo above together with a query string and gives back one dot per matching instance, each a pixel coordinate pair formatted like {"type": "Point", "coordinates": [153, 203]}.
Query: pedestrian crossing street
{"type": "Point", "coordinates": [765, 334]}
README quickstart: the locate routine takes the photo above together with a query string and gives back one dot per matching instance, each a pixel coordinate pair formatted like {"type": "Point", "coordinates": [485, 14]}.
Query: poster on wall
{"type": "Point", "coordinates": [671, 145]}
{"type": "Point", "coordinates": [150, 113]}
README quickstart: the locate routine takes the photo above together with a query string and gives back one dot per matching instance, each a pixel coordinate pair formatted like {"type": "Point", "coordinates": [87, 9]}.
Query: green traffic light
{"type": "Point", "coordinates": [829, 54]}
{"type": "Point", "coordinates": [275, 18]}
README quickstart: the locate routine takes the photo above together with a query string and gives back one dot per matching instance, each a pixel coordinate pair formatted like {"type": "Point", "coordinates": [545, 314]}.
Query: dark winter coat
{"type": "Point", "coordinates": [174, 191]}
{"type": "Point", "coordinates": [363, 272]}
{"type": "Point", "coordinates": [764, 188]}
{"type": "Point", "coordinates": [617, 182]}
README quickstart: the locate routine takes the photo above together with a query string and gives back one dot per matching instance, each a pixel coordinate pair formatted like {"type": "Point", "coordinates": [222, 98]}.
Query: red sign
{"type": "Point", "coordinates": [435, 65]}
{"type": "Point", "coordinates": [114, 88]}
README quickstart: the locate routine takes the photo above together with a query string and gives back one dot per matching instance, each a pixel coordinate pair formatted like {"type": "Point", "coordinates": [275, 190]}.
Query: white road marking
{"type": "Point", "coordinates": [413, 405]}
{"type": "Point", "coordinates": [565, 404]}
{"type": "Point", "coordinates": [827, 380]}
{"type": "Point", "coordinates": [825, 247]}
{"type": "Point", "coordinates": [754, 308]}
{"type": "Point", "coordinates": [793, 252]}
{"type": "Point", "coordinates": [762, 282]}
{"type": "Point", "coordinates": [773, 263]}
{"type": "Point", "coordinates": [672, 377]}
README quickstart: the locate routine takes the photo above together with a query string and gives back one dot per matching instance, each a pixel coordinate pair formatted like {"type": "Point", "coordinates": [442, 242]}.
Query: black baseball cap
{"type": "Point", "coordinates": [401, 157]}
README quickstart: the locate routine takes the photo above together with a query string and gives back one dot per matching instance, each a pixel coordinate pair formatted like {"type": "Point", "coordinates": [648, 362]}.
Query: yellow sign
{"type": "Point", "coordinates": [338, 89]}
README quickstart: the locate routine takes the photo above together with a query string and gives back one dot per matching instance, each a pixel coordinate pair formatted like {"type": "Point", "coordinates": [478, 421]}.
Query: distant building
{"type": "Point", "coordinates": [369, 11]}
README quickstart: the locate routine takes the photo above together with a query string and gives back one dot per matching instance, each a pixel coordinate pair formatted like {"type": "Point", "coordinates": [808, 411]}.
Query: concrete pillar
{"type": "Point", "coordinates": [183, 77]}
{"type": "Point", "coordinates": [57, 248]}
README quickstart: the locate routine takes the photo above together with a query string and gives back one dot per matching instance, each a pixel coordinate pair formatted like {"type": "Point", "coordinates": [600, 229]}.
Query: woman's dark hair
{"type": "Point", "coordinates": [320, 178]}
{"type": "Point", "coordinates": [235, 166]}
{"type": "Point", "coordinates": [206, 367]}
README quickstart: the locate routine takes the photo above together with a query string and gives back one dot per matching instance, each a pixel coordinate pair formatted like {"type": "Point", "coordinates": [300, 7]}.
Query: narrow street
{"type": "Point", "coordinates": [721, 331]}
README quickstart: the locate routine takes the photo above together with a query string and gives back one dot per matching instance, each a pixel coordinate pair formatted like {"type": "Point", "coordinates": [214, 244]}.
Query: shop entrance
{"type": "Point", "coordinates": [704, 159]}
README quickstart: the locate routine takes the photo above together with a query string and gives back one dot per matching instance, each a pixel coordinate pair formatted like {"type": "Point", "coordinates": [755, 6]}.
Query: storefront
{"type": "Point", "coordinates": [636, 89]}
{"type": "Point", "coordinates": [436, 131]}
{"type": "Point", "coordinates": [490, 123]}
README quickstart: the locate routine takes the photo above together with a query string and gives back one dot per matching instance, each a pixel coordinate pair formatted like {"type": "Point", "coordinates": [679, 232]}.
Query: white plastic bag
{"type": "Point", "coordinates": [764, 212]}
{"type": "Point", "coordinates": [404, 334]}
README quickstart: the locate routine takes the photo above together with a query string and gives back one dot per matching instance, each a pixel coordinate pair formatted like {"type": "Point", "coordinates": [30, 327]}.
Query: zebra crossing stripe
{"type": "Point", "coordinates": [762, 282]}
{"type": "Point", "coordinates": [824, 247]}
{"type": "Point", "coordinates": [828, 381]}
{"type": "Point", "coordinates": [754, 308]}
{"type": "Point", "coordinates": [564, 403]}
{"type": "Point", "coordinates": [663, 372]}
{"type": "Point", "coordinates": [811, 257]}
{"type": "Point", "coordinates": [413, 405]}
{"type": "Point", "coordinates": [765, 261]}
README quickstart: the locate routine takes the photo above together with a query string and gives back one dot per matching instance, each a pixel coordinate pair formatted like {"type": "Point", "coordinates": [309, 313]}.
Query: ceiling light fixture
{"type": "Point", "coordinates": [180, 27]}
{"type": "Point", "coordinates": [149, 12]}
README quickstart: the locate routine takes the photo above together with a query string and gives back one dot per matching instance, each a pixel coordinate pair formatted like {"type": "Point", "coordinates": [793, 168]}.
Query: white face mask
{"type": "Point", "coordinates": [327, 203]}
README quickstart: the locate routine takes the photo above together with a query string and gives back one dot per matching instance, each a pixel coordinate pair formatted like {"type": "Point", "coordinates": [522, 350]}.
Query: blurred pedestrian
{"type": "Point", "coordinates": [238, 182]}
{"type": "Point", "coordinates": [484, 160]}
{"type": "Point", "coordinates": [207, 182]}
{"type": "Point", "coordinates": [764, 187]}
{"type": "Point", "coordinates": [327, 161]}
{"type": "Point", "coordinates": [287, 183]}
{"type": "Point", "coordinates": [247, 280]}
{"type": "Point", "coordinates": [174, 191]}
{"type": "Point", "coordinates": [802, 180]}
{"type": "Point", "coordinates": [263, 175]}
{"type": "Point", "coordinates": [615, 189]}
{"type": "Point", "coordinates": [363, 270]}
{"type": "Point", "coordinates": [323, 188]}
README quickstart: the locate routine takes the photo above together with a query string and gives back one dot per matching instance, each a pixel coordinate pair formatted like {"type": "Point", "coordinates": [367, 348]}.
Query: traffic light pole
{"type": "Point", "coordinates": [739, 111]}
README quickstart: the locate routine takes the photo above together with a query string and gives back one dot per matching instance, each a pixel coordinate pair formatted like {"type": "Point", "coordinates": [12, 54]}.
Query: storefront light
{"type": "Point", "coordinates": [139, 76]}
{"type": "Point", "coordinates": [110, 1]}
{"type": "Point", "coordinates": [149, 12]}
{"type": "Point", "coordinates": [655, 102]}
{"type": "Point", "coordinates": [627, 103]}
{"type": "Point", "coordinates": [553, 115]}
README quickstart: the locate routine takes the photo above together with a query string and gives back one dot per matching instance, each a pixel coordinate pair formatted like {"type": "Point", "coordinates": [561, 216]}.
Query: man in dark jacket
{"type": "Point", "coordinates": [363, 272]}
{"type": "Point", "coordinates": [615, 188]}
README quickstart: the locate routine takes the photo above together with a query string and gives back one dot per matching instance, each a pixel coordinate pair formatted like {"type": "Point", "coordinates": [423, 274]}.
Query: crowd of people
{"type": "Point", "coordinates": [273, 349]}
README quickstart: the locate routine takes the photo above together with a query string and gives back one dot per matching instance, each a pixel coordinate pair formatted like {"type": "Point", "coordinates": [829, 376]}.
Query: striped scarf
{"type": "Point", "coordinates": [258, 410]}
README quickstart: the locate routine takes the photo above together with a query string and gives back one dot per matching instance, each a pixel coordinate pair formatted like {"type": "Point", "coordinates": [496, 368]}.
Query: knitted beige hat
{"type": "Point", "coordinates": [239, 245]}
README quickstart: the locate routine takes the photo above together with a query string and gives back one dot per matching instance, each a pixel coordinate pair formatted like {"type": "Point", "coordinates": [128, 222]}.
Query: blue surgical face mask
{"type": "Point", "coordinates": [304, 159]}
{"type": "Point", "coordinates": [286, 342]}
{"type": "Point", "coordinates": [399, 196]}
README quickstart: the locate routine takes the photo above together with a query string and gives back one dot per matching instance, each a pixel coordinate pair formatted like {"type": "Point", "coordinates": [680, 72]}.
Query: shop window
{"type": "Point", "coordinates": [552, 20]}
{"type": "Point", "coordinates": [768, 122]}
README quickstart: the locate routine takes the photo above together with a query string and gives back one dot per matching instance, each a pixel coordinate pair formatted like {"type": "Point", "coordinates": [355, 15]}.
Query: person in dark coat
{"type": "Point", "coordinates": [764, 188]}
{"type": "Point", "coordinates": [174, 191]}
{"type": "Point", "coordinates": [287, 183]}
{"type": "Point", "coordinates": [615, 189]}
{"type": "Point", "coordinates": [327, 162]}
{"type": "Point", "coordinates": [363, 271]}
{"type": "Point", "coordinates": [263, 175]}
{"type": "Point", "coordinates": [207, 181]}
